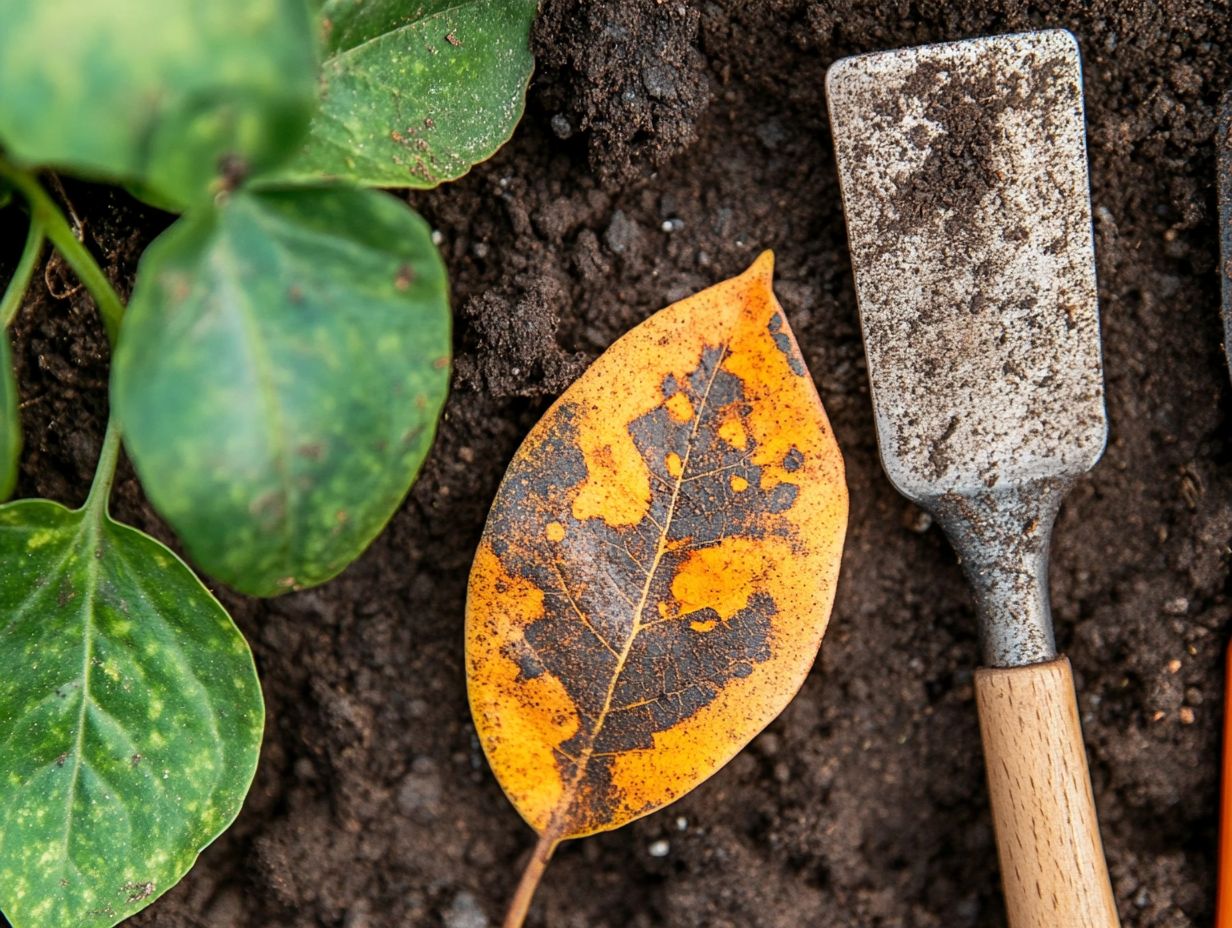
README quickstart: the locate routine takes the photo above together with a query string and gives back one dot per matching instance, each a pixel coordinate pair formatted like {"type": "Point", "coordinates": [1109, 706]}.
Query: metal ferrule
{"type": "Point", "coordinates": [1001, 538]}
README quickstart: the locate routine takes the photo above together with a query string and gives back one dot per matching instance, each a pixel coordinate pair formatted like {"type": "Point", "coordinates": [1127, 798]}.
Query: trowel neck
{"type": "Point", "coordinates": [1001, 537]}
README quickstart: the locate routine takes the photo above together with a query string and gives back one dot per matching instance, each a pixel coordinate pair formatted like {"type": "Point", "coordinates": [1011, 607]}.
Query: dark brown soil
{"type": "Point", "coordinates": [865, 804]}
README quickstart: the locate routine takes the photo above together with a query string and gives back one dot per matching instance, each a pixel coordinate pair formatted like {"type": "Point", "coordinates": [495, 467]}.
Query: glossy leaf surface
{"type": "Point", "coordinates": [171, 96]}
{"type": "Point", "coordinates": [130, 717]}
{"type": "Point", "coordinates": [658, 566]}
{"type": "Point", "coordinates": [281, 370]}
{"type": "Point", "coordinates": [10, 422]}
{"type": "Point", "coordinates": [415, 93]}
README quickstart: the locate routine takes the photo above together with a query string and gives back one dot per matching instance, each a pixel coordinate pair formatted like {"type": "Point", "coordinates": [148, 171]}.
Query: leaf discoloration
{"type": "Point", "coordinates": [658, 566]}
{"type": "Point", "coordinates": [319, 405]}
{"type": "Point", "coordinates": [132, 717]}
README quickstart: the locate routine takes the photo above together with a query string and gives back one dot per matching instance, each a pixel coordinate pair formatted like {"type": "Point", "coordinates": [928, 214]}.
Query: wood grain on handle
{"type": "Point", "coordinates": [1052, 860]}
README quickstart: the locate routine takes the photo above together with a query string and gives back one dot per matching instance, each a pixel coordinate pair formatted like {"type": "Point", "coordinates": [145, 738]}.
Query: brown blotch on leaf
{"type": "Point", "coordinates": [135, 892]}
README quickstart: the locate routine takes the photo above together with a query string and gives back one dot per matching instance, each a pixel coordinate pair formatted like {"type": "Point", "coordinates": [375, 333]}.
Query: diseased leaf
{"type": "Point", "coordinates": [414, 94]}
{"type": "Point", "coordinates": [10, 423]}
{"type": "Point", "coordinates": [280, 373]}
{"type": "Point", "coordinates": [130, 717]}
{"type": "Point", "coordinates": [658, 566]}
{"type": "Point", "coordinates": [173, 97]}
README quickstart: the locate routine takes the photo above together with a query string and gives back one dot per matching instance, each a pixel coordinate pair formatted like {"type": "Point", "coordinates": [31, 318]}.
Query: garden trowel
{"type": "Point", "coordinates": [964, 179]}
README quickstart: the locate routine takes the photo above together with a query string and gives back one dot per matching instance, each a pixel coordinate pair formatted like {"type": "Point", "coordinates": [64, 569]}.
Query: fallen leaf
{"type": "Point", "coordinates": [657, 569]}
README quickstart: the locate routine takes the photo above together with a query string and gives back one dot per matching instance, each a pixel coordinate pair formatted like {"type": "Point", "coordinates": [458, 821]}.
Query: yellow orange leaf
{"type": "Point", "coordinates": [658, 566]}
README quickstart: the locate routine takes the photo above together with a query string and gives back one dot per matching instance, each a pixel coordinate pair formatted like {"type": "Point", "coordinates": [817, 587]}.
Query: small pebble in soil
{"type": "Point", "coordinates": [421, 791]}
{"type": "Point", "coordinates": [659, 848]}
{"type": "Point", "coordinates": [1186, 715]}
{"type": "Point", "coordinates": [621, 234]}
{"type": "Point", "coordinates": [682, 823]}
{"type": "Point", "coordinates": [464, 912]}
{"type": "Point", "coordinates": [1173, 665]}
{"type": "Point", "coordinates": [561, 126]}
{"type": "Point", "coordinates": [1176, 606]}
{"type": "Point", "coordinates": [437, 237]}
{"type": "Point", "coordinates": [672, 225]}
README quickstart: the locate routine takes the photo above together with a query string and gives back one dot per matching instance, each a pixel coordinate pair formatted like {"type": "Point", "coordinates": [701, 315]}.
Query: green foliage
{"type": "Point", "coordinates": [307, 330]}
{"type": "Point", "coordinates": [132, 717]}
{"type": "Point", "coordinates": [172, 96]}
{"type": "Point", "coordinates": [416, 92]}
{"type": "Point", "coordinates": [278, 380]}
{"type": "Point", "coordinates": [10, 428]}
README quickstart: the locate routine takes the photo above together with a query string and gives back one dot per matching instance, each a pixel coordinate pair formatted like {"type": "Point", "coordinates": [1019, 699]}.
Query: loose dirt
{"type": "Point", "coordinates": [665, 145]}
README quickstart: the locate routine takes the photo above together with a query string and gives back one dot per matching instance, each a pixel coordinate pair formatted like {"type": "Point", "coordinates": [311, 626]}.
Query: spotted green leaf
{"type": "Point", "coordinates": [414, 93]}
{"type": "Point", "coordinates": [173, 96]}
{"type": "Point", "coordinates": [130, 717]}
{"type": "Point", "coordinates": [10, 426]}
{"type": "Point", "coordinates": [280, 373]}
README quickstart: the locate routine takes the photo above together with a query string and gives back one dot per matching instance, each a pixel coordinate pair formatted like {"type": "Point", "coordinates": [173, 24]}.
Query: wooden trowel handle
{"type": "Point", "coordinates": [1052, 860]}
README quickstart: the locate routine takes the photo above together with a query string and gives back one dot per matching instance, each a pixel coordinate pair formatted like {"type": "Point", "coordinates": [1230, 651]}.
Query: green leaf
{"type": "Point", "coordinates": [279, 377]}
{"type": "Point", "coordinates": [416, 93]}
{"type": "Point", "coordinates": [130, 717]}
{"type": "Point", "coordinates": [10, 424]}
{"type": "Point", "coordinates": [176, 96]}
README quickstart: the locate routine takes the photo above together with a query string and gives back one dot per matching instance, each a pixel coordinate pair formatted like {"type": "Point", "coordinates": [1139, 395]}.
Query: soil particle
{"type": "Point", "coordinates": [880, 818]}
{"type": "Point", "coordinates": [628, 74]}
{"type": "Point", "coordinates": [464, 912]}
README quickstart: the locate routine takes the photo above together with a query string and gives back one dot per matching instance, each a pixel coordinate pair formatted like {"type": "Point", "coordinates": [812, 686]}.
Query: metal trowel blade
{"type": "Point", "coordinates": [964, 178]}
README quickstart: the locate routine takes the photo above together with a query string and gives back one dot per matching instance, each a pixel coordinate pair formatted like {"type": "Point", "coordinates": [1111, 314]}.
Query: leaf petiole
{"type": "Point", "coordinates": [11, 301]}
{"type": "Point", "coordinates": [45, 212]}
{"type": "Point", "coordinates": [520, 904]}
{"type": "Point", "coordinates": [104, 472]}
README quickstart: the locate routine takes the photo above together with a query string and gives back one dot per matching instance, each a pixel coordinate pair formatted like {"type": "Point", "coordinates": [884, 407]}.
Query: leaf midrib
{"type": "Point", "coordinates": [239, 307]}
{"type": "Point", "coordinates": [587, 753]}
{"type": "Point", "coordinates": [93, 520]}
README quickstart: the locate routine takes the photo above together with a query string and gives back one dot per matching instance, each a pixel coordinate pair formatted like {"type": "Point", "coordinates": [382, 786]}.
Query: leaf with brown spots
{"type": "Point", "coordinates": [657, 569]}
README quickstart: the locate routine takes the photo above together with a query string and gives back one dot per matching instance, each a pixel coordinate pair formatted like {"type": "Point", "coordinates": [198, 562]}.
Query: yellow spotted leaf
{"type": "Point", "coordinates": [657, 569]}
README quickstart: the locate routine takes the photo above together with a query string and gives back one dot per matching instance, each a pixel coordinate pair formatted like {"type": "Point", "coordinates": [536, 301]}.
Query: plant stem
{"type": "Point", "coordinates": [11, 301]}
{"type": "Point", "coordinates": [104, 473]}
{"type": "Point", "coordinates": [531, 876]}
{"type": "Point", "coordinates": [43, 209]}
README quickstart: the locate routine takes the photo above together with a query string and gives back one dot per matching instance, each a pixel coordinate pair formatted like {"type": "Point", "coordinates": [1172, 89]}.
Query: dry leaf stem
{"type": "Point", "coordinates": [520, 904]}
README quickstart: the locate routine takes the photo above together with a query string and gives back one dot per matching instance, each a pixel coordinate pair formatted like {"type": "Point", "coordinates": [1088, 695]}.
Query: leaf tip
{"type": "Point", "coordinates": [762, 269]}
